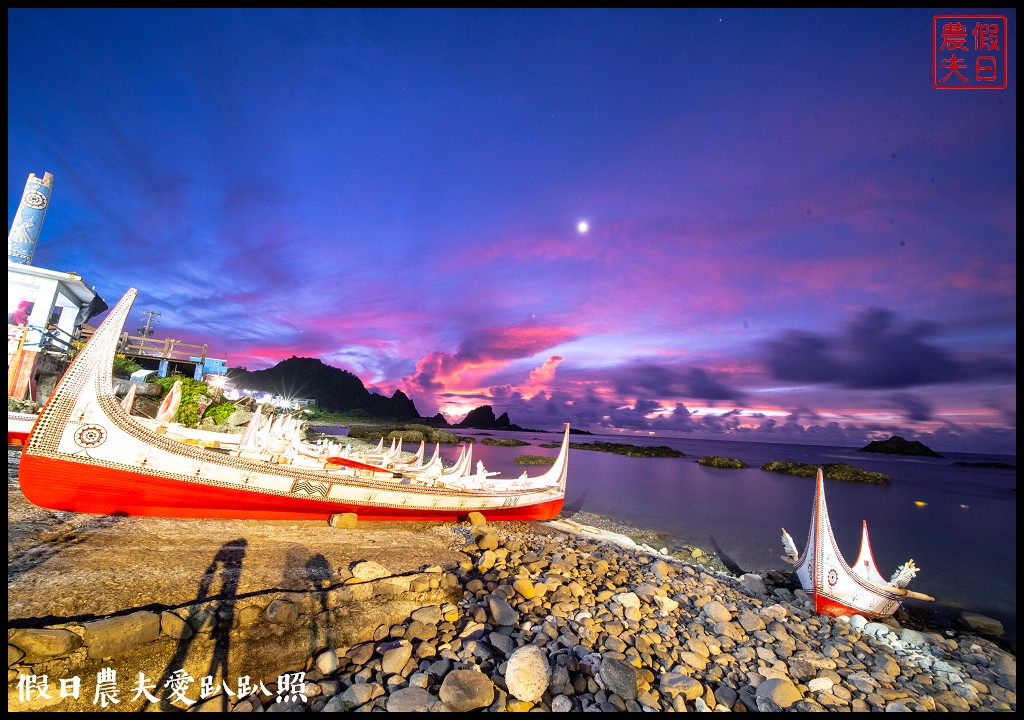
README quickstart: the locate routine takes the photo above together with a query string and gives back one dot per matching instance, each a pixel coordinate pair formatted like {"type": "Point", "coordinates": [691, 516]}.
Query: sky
{"type": "Point", "coordinates": [753, 225]}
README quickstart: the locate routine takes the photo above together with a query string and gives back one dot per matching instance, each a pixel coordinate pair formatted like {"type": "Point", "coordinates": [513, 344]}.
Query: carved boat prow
{"type": "Point", "coordinates": [835, 587]}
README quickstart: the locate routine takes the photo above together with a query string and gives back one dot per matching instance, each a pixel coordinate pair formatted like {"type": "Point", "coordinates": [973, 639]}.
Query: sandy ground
{"type": "Point", "coordinates": [64, 566]}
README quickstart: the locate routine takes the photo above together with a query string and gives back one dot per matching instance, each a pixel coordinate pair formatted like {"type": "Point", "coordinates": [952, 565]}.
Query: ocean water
{"type": "Point", "coordinates": [963, 537]}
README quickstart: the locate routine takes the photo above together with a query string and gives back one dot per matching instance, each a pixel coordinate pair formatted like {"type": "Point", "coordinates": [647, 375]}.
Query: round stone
{"type": "Point", "coordinates": [528, 673]}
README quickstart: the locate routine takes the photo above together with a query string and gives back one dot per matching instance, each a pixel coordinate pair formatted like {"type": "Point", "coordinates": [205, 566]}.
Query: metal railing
{"type": "Point", "coordinates": [51, 340]}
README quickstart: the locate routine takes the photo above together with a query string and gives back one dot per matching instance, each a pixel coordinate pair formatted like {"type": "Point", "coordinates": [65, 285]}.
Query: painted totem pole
{"type": "Point", "coordinates": [28, 221]}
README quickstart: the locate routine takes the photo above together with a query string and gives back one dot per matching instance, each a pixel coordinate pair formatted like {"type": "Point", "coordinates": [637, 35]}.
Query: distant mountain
{"type": "Point", "coordinates": [333, 389]}
{"type": "Point", "coordinates": [338, 390]}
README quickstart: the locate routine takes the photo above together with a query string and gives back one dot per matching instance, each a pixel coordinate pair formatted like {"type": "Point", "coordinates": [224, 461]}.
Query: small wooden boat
{"type": "Point", "coordinates": [837, 588]}
{"type": "Point", "coordinates": [87, 454]}
{"type": "Point", "coordinates": [19, 427]}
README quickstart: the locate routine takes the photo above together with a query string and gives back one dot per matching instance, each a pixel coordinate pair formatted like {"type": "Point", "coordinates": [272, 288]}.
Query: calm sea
{"type": "Point", "coordinates": [963, 537]}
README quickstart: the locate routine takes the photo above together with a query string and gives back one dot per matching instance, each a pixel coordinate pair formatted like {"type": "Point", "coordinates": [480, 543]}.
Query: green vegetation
{"type": "Point", "coordinates": [123, 367]}
{"type": "Point", "coordinates": [219, 412]}
{"type": "Point", "coordinates": [197, 402]}
{"type": "Point", "coordinates": [503, 442]}
{"type": "Point", "coordinates": [21, 406]}
{"type": "Point", "coordinates": [832, 471]}
{"type": "Point", "coordinates": [533, 460]}
{"type": "Point", "coordinates": [718, 461]}
{"type": "Point", "coordinates": [622, 449]}
{"type": "Point", "coordinates": [191, 408]}
{"type": "Point", "coordinates": [408, 433]}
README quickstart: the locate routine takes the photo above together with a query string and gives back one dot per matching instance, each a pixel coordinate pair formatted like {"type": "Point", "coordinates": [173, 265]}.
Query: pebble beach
{"type": "Point", "coordinates": [581, 621]}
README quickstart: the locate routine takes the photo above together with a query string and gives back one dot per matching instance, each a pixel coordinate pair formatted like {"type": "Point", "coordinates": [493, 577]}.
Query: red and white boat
{"type": "Point", "coordinates": [19, 427]}
{"type": "Point", "coordinates": [88, 454]}
{"type": "Point", "coordinates": [837, 588]}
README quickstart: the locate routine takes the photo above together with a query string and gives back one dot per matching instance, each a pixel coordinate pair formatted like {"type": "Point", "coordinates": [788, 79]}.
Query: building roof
{"type": "Point", "coordinates": [71, 283]}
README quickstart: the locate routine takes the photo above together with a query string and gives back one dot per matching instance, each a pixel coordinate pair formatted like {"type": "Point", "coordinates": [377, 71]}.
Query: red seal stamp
{"type": "Point", "coordinates": [969, 52]}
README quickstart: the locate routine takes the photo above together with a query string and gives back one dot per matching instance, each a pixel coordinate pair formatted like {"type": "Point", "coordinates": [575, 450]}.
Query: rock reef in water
{"type": "Point", "coordinates": [623, 449]}
{"type": "Point", "coordinates": [997, 465]}
{"type": "Point", "coordinates": [503, 442]}
{"type": "Point", "coordinates": [896, 445]}
{"type": "Point", "coordinates": [718, 461]}
{"type": "Point", "coordinates": [832, 471]}
{"type": "Point", "coordinates": [533, 460]}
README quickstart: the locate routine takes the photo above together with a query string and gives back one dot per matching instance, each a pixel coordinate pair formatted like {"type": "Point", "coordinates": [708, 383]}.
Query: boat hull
{"type": "Point", "coordinates": [829, 606]}
{"type": "Point", "coordinates": [81, 488]}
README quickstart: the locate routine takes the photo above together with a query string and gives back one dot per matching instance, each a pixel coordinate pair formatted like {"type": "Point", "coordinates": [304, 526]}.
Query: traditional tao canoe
{"type": "Point", "coordinates": [837, 588]}
{"type": "Point", "coordinates": [88, 454]}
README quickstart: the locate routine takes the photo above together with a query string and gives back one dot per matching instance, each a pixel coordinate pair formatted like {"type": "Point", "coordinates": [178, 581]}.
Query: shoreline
{"type": "Point", "coordinates": [934, 616]}
{"type": "Point", "coordinates": [596, 616]}
{"type": "Point", "coordinates": [555, 616]}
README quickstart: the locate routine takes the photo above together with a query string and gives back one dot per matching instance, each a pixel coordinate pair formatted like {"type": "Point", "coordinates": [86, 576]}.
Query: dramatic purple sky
{"type": "Point", "coordinates": [793, 236]}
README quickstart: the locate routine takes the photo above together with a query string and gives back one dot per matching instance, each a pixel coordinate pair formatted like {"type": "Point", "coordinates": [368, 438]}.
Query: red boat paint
{"type": "Point", "coordinates": [104, 491]}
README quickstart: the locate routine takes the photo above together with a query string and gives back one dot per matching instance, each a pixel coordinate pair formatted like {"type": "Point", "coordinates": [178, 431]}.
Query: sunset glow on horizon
{"type": "Point", "coordinates": [665, 223]}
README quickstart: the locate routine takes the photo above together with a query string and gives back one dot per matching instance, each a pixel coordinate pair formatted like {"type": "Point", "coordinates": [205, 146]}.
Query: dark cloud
{"type": "Point", "coordinates": [658, 382]}
{"type": "Point", "coordinates": [680, 420]}
{"type": "Point", "coordinates": [646, 380]}
{"type": "Point", "coordinates": [875, 351]}
{"type": "Point", "coordinates": [702, 386]}
{"type": "Point", "coordinates": [802, 357]}
{"type": "Point", "coordinates": [914, 408]}
{"type": "Point", "coordinates": [885, 354]}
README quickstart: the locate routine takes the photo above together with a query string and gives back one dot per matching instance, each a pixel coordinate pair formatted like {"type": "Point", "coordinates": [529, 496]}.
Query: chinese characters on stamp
{"type": "Point", "coordinates": [969, 52]}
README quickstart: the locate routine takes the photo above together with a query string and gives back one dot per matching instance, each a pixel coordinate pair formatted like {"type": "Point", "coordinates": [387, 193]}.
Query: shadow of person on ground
{"type": "Point", "coordinates": [311, 573]}
{"type": "Point", "coordinates": [320, 576]}
{"type": "Point", "coordinates": [731, 565]}
{"type": "Point", "coordinates": [226, 567]}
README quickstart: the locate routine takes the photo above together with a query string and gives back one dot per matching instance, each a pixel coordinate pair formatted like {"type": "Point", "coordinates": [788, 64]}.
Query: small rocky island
{"type": "Point", "coordinates": [638, 451]}
{"type": "Point", "coordinates": [503, 442]}
{"type": "Point", "coordinates": [721, 462]}
{"type": "Point", "coordinates": [896, 445]}
{"type": "Point", "coordinates": [832, 471]}
{"type": "Point", "coordinates": [533, 460]}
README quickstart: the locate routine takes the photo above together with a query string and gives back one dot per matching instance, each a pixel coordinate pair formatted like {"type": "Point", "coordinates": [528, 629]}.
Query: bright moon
{"type": "Point", "coordinates": [582, 226]}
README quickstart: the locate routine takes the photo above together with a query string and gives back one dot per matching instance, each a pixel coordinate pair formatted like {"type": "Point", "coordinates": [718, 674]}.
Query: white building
{"type": "Point", "coordinates": [45, 308]}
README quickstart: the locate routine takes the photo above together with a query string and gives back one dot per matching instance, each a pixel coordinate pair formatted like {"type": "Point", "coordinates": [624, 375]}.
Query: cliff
{"type": "Point", "coordinates": [482, 418]}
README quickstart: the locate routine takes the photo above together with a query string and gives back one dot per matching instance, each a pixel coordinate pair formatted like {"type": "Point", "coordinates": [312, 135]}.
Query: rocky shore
{"type": "Point", "coordinates": [558, 616]}
{"type": "Point", "coordinates": [568, 622]}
